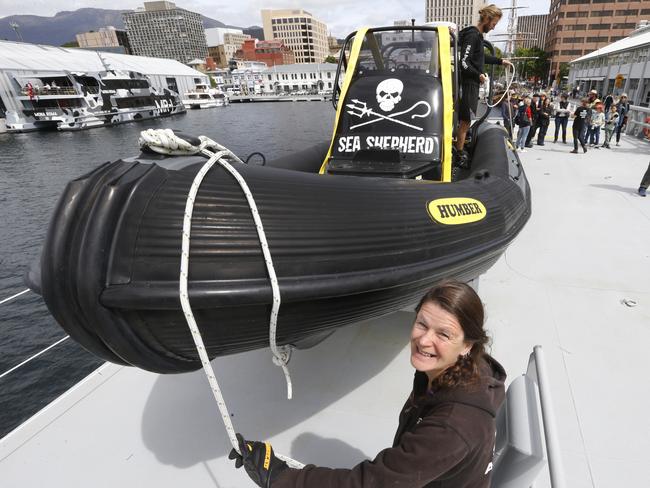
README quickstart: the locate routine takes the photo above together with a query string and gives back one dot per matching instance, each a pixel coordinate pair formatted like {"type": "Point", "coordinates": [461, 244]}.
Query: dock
{"type": "Point", "coordinates": [279, 98]}
{"type": "Point", "coordinates": [575, 281]}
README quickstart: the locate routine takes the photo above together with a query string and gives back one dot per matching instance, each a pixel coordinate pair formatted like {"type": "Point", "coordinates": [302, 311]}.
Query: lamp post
{"type": "Point", "coordinates": [16, 29]}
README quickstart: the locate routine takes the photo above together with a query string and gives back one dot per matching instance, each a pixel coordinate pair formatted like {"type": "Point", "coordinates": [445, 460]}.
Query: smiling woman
{"type": "Point", "coordinates": [446, 431]}
{"type": "Point", "coordinates": [448, 339]}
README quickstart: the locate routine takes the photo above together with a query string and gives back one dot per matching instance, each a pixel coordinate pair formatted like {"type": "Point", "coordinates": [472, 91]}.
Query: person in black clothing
{"type": "Point", "coordinates": [446, 429]}
{"type": "Point", "coordinates": [580, 122]}
{"type": "Point", "coordinates": [543, 120]}
{"type": "Point", "coordinates": [623, 107]}
{"type": "Point", "coordinates": [472, 63]}
{"type": "Point", "coordinates": [645, 183]}
{"type": "Point", "coordinates": [562, 118]}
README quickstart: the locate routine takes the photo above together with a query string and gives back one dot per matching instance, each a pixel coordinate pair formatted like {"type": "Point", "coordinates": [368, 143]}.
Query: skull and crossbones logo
{"type": "Point", "coordinates": [388, 95]}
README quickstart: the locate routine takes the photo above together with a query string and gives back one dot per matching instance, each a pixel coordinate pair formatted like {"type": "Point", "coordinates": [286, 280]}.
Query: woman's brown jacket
{"type": "Point", "coordinates": [444, 439]}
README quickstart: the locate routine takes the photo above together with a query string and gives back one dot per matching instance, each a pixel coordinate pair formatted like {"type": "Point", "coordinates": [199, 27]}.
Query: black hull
{"type": "Point", "coordinates": [345, 249]}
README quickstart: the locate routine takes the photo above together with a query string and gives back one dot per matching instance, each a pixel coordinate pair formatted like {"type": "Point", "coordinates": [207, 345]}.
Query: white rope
{"type": "Point", "coordinates": [14, 296]}
{"type": "Point", "coordinates": [507, 92]}
{"type": "Point", "coordinates": [33, 357]}
{"type": "Point", "coordinates": [166, 142]}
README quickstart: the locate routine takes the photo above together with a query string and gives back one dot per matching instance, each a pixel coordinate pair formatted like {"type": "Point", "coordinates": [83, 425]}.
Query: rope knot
{"type": "Point", "coordinates": [282, 355]}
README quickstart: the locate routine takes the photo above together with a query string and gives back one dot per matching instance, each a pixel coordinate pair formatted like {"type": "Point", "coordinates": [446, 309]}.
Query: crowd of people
{"type": "Point", "coordinates": [595, 121]}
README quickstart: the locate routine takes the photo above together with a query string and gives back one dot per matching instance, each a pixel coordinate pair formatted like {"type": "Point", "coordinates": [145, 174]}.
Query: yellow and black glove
{"type": "Point", "coordinates": [258, 460]}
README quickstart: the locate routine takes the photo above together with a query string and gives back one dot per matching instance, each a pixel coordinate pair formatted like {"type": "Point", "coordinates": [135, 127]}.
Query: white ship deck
{"type": "Point", "coordinates": [561, 285]}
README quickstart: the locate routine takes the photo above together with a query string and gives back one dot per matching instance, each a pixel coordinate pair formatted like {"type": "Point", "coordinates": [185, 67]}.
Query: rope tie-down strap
{"type": "Point", "coordinates": [164, 141]}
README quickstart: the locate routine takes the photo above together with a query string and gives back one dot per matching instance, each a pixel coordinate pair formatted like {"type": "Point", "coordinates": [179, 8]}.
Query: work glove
{"type": "Point", "coordinates": [259, 461]}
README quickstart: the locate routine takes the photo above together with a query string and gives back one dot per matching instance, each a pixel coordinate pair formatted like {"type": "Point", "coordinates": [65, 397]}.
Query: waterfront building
{"type": "Point", "coordinates": [579, 27]}
{"type": "Point", "coordinates": [531, 31]}
{"type": "Point", "coordinates": [105, 37]}
{"type": "Point", "coordinates": [272, 53]}
{"type": "Point", "coordinates": [460, 12]}
{"type": "Point", "coordinates": [257, 78]}
{"type": "Point", "coordinates": [247, 78]}
{"type": "Point", "coordinates": [162, 30]}
{"type": "Point", "coordinates": [296, 77]}
{"type": "Point", "coordinates": [301, 32]}
{"type": "Point", "coordinates": [222, 78]}
{"type": "Point", "coordinates": [620, 67]}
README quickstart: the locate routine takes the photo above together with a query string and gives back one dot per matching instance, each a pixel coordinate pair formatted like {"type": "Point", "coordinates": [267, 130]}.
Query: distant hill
{"type": "Point", "coordinates": [63, 26]}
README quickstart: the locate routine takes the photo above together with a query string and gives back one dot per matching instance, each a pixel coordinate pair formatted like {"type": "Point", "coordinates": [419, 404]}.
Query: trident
{"type": "Point", "coordinates": [360, 109]}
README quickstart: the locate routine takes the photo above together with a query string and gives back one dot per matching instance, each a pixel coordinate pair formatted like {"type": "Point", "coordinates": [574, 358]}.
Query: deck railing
{"type": "Point", "coordinates": [638, 122]}
{"type": "Point", "coordinates": [42, 91]}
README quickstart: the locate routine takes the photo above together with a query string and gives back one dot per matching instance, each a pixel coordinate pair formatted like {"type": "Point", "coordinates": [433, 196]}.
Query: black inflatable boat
{"type": "Point", "coordinates": [357, 228]}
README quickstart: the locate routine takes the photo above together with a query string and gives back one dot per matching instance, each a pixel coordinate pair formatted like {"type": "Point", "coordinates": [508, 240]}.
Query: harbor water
{"type": "Point", "coordinates": [34, 169]}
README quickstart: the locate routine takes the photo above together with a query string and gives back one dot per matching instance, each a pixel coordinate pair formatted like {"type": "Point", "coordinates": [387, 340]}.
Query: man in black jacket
{"type": "Point", "coordinates": [472, 63]}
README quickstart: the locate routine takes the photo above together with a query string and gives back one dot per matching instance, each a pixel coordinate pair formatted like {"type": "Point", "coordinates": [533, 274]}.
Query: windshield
{"type": "Point", "coordinates": [400, 50]}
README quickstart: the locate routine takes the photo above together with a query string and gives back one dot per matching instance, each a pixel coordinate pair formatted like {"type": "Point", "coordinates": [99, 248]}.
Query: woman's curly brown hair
{"type": "Point", "coordinates": [461, 301]}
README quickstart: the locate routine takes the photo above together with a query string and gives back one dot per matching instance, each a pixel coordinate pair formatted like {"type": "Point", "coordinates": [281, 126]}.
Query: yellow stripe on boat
{"type": "Point", "coordinates": [444, 48]}
{"type": "Point", "coordinates": [349, 74]}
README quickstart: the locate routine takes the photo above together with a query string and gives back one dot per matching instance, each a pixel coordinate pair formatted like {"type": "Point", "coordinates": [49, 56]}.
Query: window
{"type": "Point", "coordinates": [597, 39]}
{"type": "Point", "coordinates": [627, 12]}
{"type": "Point", "coordinates": [602, 13]}
{"type": "Point", "coordinates": [171, 84]}
{"type": "Point", "coordinates": [576, 27]}
{"type": "Point", "coordinates": [572, 40]}
{"type": "Point", "coordinates": [601, 26]}
{"type": "Point", "coordinates": [571, 52]}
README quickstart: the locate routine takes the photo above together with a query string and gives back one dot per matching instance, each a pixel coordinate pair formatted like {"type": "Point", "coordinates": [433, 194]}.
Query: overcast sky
{"type": "Point", "coordinates": [341, 16]}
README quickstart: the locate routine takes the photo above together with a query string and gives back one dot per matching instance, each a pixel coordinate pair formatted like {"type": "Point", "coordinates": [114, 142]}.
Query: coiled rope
{"type": "Point", "coordinates": [164, 141]}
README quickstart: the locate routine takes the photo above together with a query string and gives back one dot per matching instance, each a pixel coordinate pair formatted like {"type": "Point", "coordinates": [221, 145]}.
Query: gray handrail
{"type": "Point", "coordinates": [537, 370]}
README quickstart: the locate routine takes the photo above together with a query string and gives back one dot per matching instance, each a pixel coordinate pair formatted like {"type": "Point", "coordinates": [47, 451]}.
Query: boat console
{"type": "Point", "coordinates": [391, 105]}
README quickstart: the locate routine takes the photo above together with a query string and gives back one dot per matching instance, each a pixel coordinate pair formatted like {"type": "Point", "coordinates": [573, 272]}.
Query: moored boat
{"type": "Point", "coordinates": [205, 97]}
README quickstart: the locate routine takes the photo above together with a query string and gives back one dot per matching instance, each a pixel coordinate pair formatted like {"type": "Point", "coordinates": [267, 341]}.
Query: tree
{"type": "Point", "coordinates": [331, 59]}
{"type": "Point", "coordinates": [70, 44]}
{"type": "Point", "coordinates": [499, 70]}
{"type": "Point", "coordinates": [536, 67]}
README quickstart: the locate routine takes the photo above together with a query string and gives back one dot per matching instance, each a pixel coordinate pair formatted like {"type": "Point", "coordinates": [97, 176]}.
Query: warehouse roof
{"type": "Point", "coordinates": [25, 56]}
{"type": "Point", "coordinates": [638, 38]}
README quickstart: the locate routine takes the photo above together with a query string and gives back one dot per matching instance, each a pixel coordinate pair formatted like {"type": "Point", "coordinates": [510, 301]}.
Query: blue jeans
{"type": "Point", "coordinates": [561, 122]}
{"type": "Point", "coordinates": [522, 134]}
{"type": "Point", "coordinates": [594, 136]}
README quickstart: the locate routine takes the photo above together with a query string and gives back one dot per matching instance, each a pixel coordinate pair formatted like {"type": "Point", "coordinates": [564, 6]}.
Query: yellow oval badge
{"type": "Point", "coordinates": [455, 211]}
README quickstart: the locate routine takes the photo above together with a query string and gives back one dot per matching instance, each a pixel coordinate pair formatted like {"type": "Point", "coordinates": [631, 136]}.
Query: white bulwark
{"type": "Point", "coordinates": [48, 87]}
{"type": "Point", "coordinates": [621, 66]}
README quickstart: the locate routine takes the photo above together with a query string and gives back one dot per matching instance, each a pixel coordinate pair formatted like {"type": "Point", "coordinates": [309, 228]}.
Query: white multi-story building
{"type": "Point", "coordinates": [258, 78]}
{"type": "Point", "coordinates": [294, 77]}
{"type": "Point", "coordinates": [217, 35]}
{"type": "Point", "coordinates": [305, 35]}
{"type": "Point", "coordinates": [162, 30]}
{"type": "Point", "coordinates": [460, 12]}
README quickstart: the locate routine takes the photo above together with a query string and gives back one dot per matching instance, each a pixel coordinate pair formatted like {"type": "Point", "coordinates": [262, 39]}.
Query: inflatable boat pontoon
{"type": "Point", "coordinates": [357, 228]}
